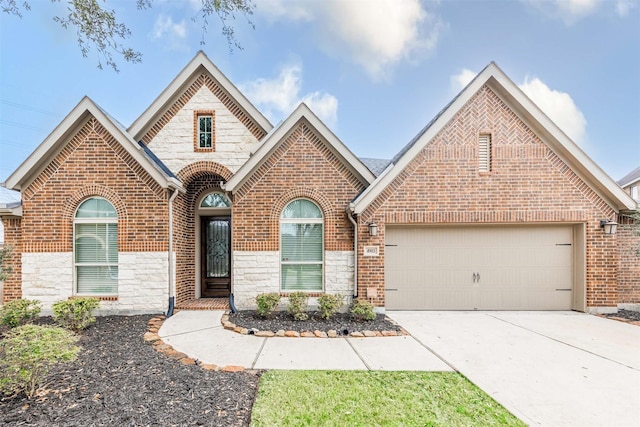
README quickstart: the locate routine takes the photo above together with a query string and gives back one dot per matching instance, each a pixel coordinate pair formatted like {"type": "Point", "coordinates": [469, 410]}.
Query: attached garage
{"type": "Point", "coordinates": [492, 267]}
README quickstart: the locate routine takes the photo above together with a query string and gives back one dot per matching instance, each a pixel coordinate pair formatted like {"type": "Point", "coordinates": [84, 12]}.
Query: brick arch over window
{"type": "Point", "coordinates": [74, 200]}
{"type": "Point", "coordinates": [203, 168]}
{"type": "Point", "coordinates": [328, 211]}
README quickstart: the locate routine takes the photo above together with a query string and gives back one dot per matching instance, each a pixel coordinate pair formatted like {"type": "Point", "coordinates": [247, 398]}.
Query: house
{"type": "Point", "coordinates": [491, 206]}
{"type": "Point", "coordinates": [631, 183]}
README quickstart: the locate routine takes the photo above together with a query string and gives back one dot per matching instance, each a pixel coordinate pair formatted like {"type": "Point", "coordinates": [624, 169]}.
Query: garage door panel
{"type": "Point", "coordinates": [482, 268]}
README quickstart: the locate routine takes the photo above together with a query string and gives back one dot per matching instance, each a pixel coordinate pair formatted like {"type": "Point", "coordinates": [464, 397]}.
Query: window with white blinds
{"type": "Point", "coordinates": [96, 248]}
{"type": "Point", "coordinates": [484, 153]}
{"type": "Point", "coordinates": [301, 246]}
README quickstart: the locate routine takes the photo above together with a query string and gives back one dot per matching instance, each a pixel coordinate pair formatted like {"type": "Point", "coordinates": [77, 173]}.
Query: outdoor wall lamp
{"type": "Point", "coordinates": [609, 227]}
{"type": "Point", "coordinates": [373, 229]}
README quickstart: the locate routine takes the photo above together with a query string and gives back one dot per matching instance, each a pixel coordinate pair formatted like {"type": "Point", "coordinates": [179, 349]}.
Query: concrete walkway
{"type": "Point", "coordinates": [547, 368]}
{"type": "Point", "coordinates": [200, 335]}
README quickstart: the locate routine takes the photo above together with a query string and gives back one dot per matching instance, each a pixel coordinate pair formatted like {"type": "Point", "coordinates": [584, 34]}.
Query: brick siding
{"type": "Point", "coordinates": [628, 237]}
{"type": "Point", "coordinates": [302, 166]}
{"type": "Point", "coordinates": [528, 182]}
{"type": "Point", "coordinates": [91, 163]}
{"type": "Point", "coordinates": [12, 288]}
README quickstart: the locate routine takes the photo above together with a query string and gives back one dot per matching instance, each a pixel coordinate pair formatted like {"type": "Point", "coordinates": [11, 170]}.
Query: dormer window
{"type": "Point", "coordinates": [204, 130]}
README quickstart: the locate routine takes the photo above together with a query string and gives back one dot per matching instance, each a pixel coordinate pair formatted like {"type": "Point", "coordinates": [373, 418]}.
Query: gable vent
{"type": "Point", "coordinates": [484, 153]}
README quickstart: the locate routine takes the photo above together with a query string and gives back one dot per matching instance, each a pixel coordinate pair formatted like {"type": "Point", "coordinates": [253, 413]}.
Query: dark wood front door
{"type": "Point", "coordinates": [216, 257]}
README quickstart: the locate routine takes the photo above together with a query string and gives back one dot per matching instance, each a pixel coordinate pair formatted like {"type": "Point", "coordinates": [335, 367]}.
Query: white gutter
{"type": "Point", "coordinates": [171, 281]}
{"type": "Point", "coordinates": [355, 252]}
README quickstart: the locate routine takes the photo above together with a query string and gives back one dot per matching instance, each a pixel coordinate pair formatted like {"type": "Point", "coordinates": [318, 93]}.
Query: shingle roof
{"type": "Point", "coordinates": [630, 178]}
{"type": "Point", "coordinates": [9, 198]}
{"type": "Point", "coordinates": [156, 160]}
{"type": "Point", "coordinates": [376, 166]}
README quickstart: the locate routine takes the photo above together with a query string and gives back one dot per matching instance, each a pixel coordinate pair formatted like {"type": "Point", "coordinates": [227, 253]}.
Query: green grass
{"type": "Point", "coordinates": [374, 398]}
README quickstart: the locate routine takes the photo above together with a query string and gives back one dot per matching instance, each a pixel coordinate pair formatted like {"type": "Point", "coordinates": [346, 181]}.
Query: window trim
{"type": "Point", "coordinates": [321, 221]}
{"type": "Point", "coordinates": [196, 130]}
{"type": "Point", "coordinates": [85, 220]}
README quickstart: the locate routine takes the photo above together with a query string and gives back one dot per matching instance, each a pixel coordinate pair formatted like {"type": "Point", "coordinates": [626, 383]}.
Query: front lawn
{"type": "Point", "coordinates": [373, 398]}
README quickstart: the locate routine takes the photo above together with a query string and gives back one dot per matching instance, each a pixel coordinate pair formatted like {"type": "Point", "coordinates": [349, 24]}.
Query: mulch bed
{"type": "Point", "coordinates": [340, 322]}
{"type": "Point", "coordinates": [119, 379]}
{"type": "Point", "coordinates": [630, 315]}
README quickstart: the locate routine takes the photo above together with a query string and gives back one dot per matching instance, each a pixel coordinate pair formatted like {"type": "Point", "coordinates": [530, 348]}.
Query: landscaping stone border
{"type": "Point", "coordinates": [152, 337]}
{"type": "Point", "coordinates": [308, 334]}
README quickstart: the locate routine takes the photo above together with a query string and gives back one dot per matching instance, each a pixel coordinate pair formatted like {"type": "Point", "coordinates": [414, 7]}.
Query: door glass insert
{"type": "Point", "coordinates": [217, 235]}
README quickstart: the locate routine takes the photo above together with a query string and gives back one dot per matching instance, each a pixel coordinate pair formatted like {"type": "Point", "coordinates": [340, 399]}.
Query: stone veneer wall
{"type": "Point", "coordinates": [258, 272]}
{"type": "Point", "coordinates": [174, 142]}
{"type": "Point", "coordinates": [142, 281]}
{"type": "Point", "coordinates": [528, 183]}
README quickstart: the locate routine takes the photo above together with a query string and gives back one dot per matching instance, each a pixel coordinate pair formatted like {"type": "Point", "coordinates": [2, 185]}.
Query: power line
{"type": "Point", "coordinates": [28, 108]}
{"type": "Point", "coordinates": [22, 125]}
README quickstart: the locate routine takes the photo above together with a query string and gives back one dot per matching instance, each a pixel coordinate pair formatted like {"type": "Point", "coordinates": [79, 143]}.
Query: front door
{"type": "Point", "coordinates": [216, 257]}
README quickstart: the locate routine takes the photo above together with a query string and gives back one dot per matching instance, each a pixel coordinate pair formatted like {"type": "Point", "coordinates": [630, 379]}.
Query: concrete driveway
{"type": "Point", "coordinates": [548, 368]}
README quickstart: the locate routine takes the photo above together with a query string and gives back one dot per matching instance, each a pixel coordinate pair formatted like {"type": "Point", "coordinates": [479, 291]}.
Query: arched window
{"type": "Point", "coordinates": [95, 248]}
{"type": "Point", "coordinates": [215, 200]}
{"type": "Point", "coordinates": [301, 247]}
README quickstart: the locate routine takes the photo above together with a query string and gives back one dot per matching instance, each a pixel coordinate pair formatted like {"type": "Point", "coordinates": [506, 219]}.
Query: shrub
{"type": "Point", "coordinates": [75, 313]}
{"type": "Point", "coordinates": [27, 354]}
{"type": "Point", "coordinates": [329, 305]}
{"type": "Point", "coordinates": [18, 312]}
{"type": "Point", "coordinates": [298, 302]}
{"type": "Point", "coordinates": [267, 303]}
{"type": "Point", "coordinates": [362, 310]}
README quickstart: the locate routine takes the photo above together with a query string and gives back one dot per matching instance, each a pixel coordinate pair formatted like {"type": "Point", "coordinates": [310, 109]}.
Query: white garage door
{"type": "Point", "coordinates": [478, 268]}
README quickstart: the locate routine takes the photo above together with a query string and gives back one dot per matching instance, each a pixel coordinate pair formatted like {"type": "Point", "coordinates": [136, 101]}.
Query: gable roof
{"type": "Point", "coordinates": [270, 142]}
{"type": "Point", "coordinates": [199, 63]}
{"type": "Point", "coordinates": [527, 111]}
{"type": "Point", "coordinates": [630, 178]}
{"type": "Point", "coordinates": [376, 166]}
{"type": "Point", "coordinates": [86, 108]}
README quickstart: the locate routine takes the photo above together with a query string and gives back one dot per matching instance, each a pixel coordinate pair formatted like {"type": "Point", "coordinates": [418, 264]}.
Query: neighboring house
{"type": "Point", "coordinates": [631, 184]}
{"type": "Point", "coordinates": [490, 206]}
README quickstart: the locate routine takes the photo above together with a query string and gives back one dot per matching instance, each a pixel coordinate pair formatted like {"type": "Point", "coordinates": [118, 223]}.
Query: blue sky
{"type": "Point", "coordinates": [375, 71]}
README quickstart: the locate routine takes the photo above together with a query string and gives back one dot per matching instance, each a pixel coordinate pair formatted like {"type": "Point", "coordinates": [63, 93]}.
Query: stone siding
{"type": "Point", "coordinates": [142, 281]}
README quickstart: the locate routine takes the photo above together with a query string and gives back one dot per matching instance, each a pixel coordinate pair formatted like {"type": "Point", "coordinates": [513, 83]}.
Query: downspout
{"type": "Point", "coordinates": [355, 254]}
{"type": "Point", "coordinates": [172, 298]}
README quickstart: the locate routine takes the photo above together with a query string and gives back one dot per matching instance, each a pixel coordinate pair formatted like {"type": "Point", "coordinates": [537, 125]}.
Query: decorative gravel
{"type": "Point", "coordinates": [121, 380]}
{"type": "Point", "coordinates": [343, 323]}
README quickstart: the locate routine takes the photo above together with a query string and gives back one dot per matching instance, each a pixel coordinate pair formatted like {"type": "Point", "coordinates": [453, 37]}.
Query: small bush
{"type": "Point", "coordinates": [28, 352]}
{"type": "Point", "coordinates": [18, 312]}
{"type": "Point", "coordinates": [267, 303]}
{"type": "Point", "coordinates": [362, 310]}
{"type": "Point", "coordinates": [329, 305]}
{"type": "Point", "coordinates": [298, 302]}
{"type": "Point", "coordinates": [76, 313]}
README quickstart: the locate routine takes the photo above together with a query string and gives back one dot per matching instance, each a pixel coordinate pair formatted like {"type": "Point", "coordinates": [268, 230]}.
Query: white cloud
{"type": "Point", "coordinates": [374, 34]}
{"type": "Point", "coordinates": [276, 10]}
{"type": "Point", "coordinates": [462, 79]}
{"type": "Point", "coordinates": [559, 106]}
{"type": "Point", "coordinates": [279, 96]}
{"type": "Point", "coordinates": [165, 28]}
{"type": "Point", "coordinates": [624, 6]}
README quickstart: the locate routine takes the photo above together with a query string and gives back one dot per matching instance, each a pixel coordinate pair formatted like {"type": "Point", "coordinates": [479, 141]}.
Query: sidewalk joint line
{"type": "Point", "coordinates": [255, 360]}
{"type": "Point", "coordinates": [562, 342]}
{"type": "Point", "coordinates": [366, 365]}
{"type": "Point", "coordinates": [435, 353]}
{"type": "Point", "coordinates": [188, 332]}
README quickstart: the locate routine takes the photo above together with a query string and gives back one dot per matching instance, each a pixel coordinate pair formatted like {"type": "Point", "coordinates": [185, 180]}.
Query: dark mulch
{"type": "Point", "coordinates": [121, 380]}
{"type": "Point", "coordinates": [626, 314]}
{"type": "Point", "coordinates": [282, 320]}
